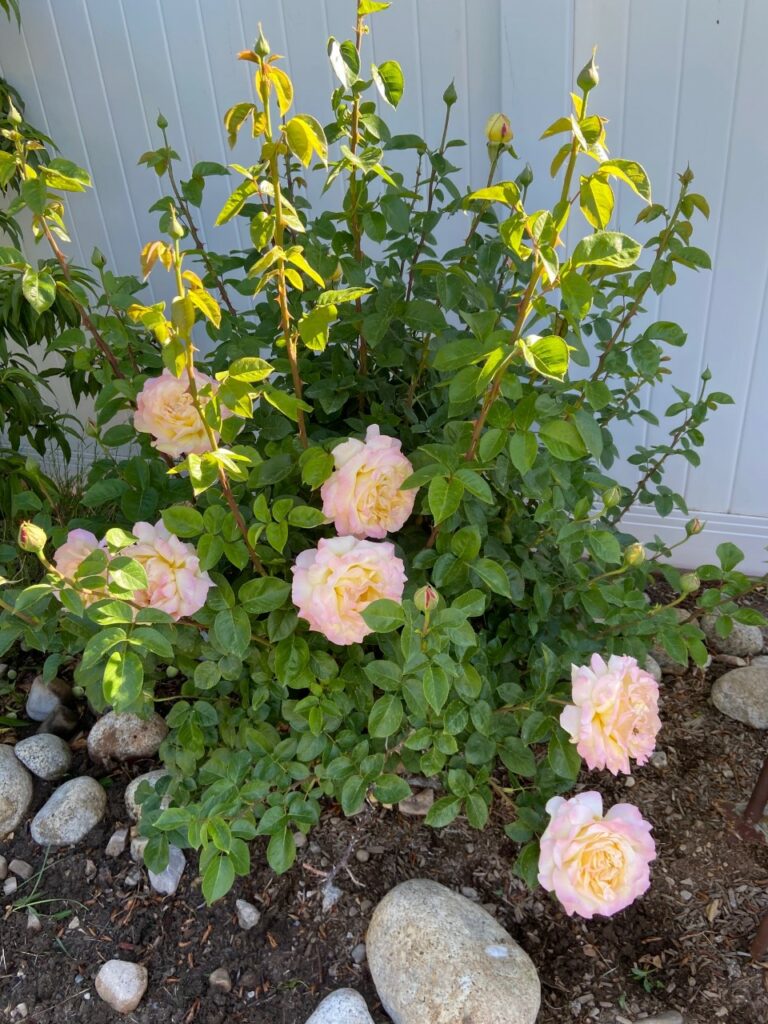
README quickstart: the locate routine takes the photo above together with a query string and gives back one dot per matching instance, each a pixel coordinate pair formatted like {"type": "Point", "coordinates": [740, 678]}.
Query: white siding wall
{"type": "Point", "coordinates": [683, 81]}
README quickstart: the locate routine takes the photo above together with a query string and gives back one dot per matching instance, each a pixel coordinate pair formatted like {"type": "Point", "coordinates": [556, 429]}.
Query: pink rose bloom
{"type": "Point", "coordinates": [615, 713]}
{"type": "Point", "coordinates": [362, 496]}
{"type": "Point", "coordinates": [176, 584]}
{"type": "Point", "coordinates": [595, 864]}
{"type": "Point", "coordinates": [75, 549]}
{"type": "Point", "coordinates": [165, 410]}
{"type": "Point", "coordinates": [335, 581]}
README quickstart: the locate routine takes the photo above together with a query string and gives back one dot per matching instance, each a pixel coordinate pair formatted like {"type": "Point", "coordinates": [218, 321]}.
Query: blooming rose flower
{"type": "Point", "coordinates": [165, 410]}
{"type": "Point", "coordinates": [75, 549]}
{"type": "Point", "coordinates": [176, 583]}
{"type": "Point", "coordinates": [615, 714]}
{"type": "Point", "coordinates": [595, 864]}
{"type": "Point", "coordinates": [335, 581]}
{"type": "Point", "coordinates": [362, 496]}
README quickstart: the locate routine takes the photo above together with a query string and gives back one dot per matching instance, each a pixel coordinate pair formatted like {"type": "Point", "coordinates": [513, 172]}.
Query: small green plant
{"type": "Point", "coordinates": [371, 520]}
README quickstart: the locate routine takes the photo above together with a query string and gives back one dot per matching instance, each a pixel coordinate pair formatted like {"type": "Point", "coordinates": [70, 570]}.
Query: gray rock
{"type": "Point", "coordinates": [15, 790]}
{"type": "Point", "coordinates": [116, 844]}
{"type": "Point", "coordinates": [669, 1017]}
{"type": "Point", "coordinates": [359, 954]}
{"type": "Point", "coordinates": [653, 667]}
{"type": "Point", "coordinates": [760, 659]}
{"type": "Point", "coordinates": [62, 721]}
{"type": "Point", "coordinates": [34, 924]}
{"type": "Point", "coordinates": [344, 1006]}
{"type": "Point", "coordinates": [3, 867]}
{"type": "Point", "coordinates": [743, 641]}
{"type": "Point", "coordinates": [248, 916]}
{"type": "Point", "coordinates": [659, 759]}
{"type": "Point", "coordinates": [10, 885]}
{"type": "Point", "coordinates": [131, 804]}
{"type": "Point", "coordinates": [70, 813]}
{"type": "Point", "coordinates": [742, 694]}
{"type": "Point", "coordinates": [122, 984]}
{"type": "Point", "coordinates": [138, 846]}
{"type": "Point", "coordinates": [47, 756]}
{"type": "Point", "coordinates": [435, 956]}
{"type": "Point", "coordinates": [43, 698]}
{"type": "Point", "coordinates": [125, 737]}
{"type": "Point", "coordinates": [21, 868]}
{"type": "Point", "coordinates": [167, 880]}
{"type": "Point", "coordinates": [219, 980]}
{"type": "Point", "coordinates": [417, 805]}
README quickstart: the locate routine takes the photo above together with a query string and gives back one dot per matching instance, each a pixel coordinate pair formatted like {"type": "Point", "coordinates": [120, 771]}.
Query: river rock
{"type": "Point", "coordinates": [125, 737]}
{"type": "Point", "coordinates": [122, 984]}
{"type": "Point", "coordinates": [742, 642]}
{"type": "Point", "coordinates": [70, 813]}
{"type": "Point", "coordinates": [15, 790]}
{"type": "Point", "coordinates": [248, 916]}
{"type": "Point", "coordinates": [131, 804]}
{"type": "Point", "coordinates": [742, 694]}
{"type": "Point", "coordinates": [167, 880]}
{"type": "Point", "coordinates": [43, 698]}
{"type": "Point", "coordinates": [47, 756]}
{"type": "Point", "coordinates": [345, 1006]}
{"type": "Point", "coordinates": [436, 956]}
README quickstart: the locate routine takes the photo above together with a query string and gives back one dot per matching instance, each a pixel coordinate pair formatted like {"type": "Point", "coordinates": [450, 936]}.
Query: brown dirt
{"type": "Point", "coordinates": [689, 935]}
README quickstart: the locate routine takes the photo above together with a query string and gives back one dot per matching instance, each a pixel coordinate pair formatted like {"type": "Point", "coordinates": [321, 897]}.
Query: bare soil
{"type": "Point", "coordinates": [684, 945]}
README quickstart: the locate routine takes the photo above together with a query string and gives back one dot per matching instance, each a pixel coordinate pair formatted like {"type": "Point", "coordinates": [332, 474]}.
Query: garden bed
{"type": "Point", "coordinates": [683, 945]}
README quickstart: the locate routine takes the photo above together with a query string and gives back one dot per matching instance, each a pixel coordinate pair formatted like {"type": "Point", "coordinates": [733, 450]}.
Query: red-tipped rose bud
{"type": "Point", "coordinates": [32, 538]}
{"type": "Point", "coordinates": [426, 598]}
{"type": "Point", "coordinates": [498, 130]}
{"type": "Point", "coordinates": [694, 526]}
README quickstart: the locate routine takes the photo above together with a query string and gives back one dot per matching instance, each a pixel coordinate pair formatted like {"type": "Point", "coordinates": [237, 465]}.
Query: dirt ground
{"type": "Point", "coordinates": [684, 945]}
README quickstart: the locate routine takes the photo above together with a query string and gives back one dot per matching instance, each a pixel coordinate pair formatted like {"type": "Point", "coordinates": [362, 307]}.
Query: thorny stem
{"type": "Point", "coordinates": [289, 335]}
{"type": "Point", "coordinates": [186, 214]}
{"type": "Point", "coordinates": [19, 615]}
{"type": "Point", "coordinates": [354, 220]}
{"type": "Point", "coordinates": [476, 219]}
{"type": "Point", "coordinates": [103, 346]}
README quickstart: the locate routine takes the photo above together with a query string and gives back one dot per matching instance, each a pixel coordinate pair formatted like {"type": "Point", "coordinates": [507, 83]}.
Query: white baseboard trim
{"type": "Point", "coordinates": [750, 533]}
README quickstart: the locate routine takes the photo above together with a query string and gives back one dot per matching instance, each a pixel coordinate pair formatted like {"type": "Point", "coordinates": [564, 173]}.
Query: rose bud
{"type": "Point", "coordinates": [634, 555]}
{"type": "Point", "coordinates": [32, 538]}
{"type": "Point", "coordinates": [588, 77]}
{"type": "Point", "coordinates": [426, 598]}
{"type": "Point", "coordinates": [689, 582]}
{"type": "Point", "coordinates": [498, 130]}
{"type": "Point", "coordinates": [450, 95]}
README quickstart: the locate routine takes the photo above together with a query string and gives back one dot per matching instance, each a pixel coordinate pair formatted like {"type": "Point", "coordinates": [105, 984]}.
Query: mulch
{"type": "Point", "coordinates": [683, 946]}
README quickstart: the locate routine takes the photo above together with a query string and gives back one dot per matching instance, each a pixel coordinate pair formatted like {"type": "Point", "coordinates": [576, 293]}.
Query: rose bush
{"type": "Point", "coordinates": [381, 474]}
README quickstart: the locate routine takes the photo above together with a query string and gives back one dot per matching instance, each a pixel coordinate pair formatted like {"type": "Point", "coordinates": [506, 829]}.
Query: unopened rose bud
{"type": "Point", "coordinates": [689, 582]}
{"type": "Point", "coordinates": [171, 672]}
{"type": "Point", "coordinates": [98, 259]}
{"type": "Point", "coordinates": [78, 691]}
{"type": "Point", "coordinates": [261, 46]}
{"type": "Point", "coordinates": [175, 227]}
{"type": "Point", "coordinates": [162, 122]}
{"type": "Point", "coordinates": [498, 130]}
{"type": "Point", "coordinates": [634, 555]}
{"type": "Point", "coordinates": [525, 177]}
{"type": "Point", "coordinates": [588, 77]}
{"type": "Point", "coordinates": [694, 526]}
{"type": "Point", "coordinates": [426, 598]}
{"type": "Point", "coordinates": [32, 538]}
{"type": "Point", "coordinates": [13, 115]}
{"type": "Point", "coordinates": [612, 497]}
{"type": "Point", "coordinates": [450, 95]}
{"type": "Point", "coordinates": [686, 177]}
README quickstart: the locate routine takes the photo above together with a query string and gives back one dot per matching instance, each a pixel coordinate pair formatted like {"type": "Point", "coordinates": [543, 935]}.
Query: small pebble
{"type": "Point", "coordinates": [122, 984]}
{"type": "Point", "coordinates": [21, 868]}
{"type": "Point", "coordinates": [20, 1012]}
{"type": "Point", "coordinates": [363, 856]}
{"type": "Point", "coordinates": [248, 916]}
{"type": "Point", "coordinates": [686, 895]}
{"type": "Point", "coordinates": [10, 885]}
{"type": "Point", "coordinates": [299, 840]}
{"type": "Point", "coordinates": [116, 843]}
{"type": "Point", "coordinates": [167, 880]}
{"type": "Point", "coordinates": [90, 870]}
{"type": "Point", "coordinates": [3, 867]}
{"type": "Point", "coordinates": [629, 781]}
{"type": "Point", "coordinates": [34, 924]}
{"type": "Point", "coordinates": [659, 759]}
{"type": "Point", "coordinates": [132, 877]}
{"type": "Point", "coordinates": [470, 893]}
{"type": "Point", "coordinates": [74, 924]}
{"type": "Point", "coordinates": [727, 773]}
{"type": "Point", "coordinates": [138, 846]}
{"type": "Point", "coordinates": [358, 953]}
{"type": "Point", "coordinates": [219, 980]}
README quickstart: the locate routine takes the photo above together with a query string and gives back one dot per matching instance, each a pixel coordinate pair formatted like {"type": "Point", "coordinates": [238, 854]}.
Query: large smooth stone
{"type": "Point", "coordinates": [435, 956]}
{"type": "Point", "coordinates": [15, 790]}
{"type": "Point", "coordinates": [125, 737]}
{"type": "Point", "coordinates": [43, 698]}
{"type": "Point", "coordinates": [344, 1006]}
{"type": "Point", "coordinates": [742, 694]}
{"type": "Point", "coordinates": [47, 756]}
{"type": "Point", "coordinates": [743, 641]}
{"type": "Point", "coordinates": [167, 880]}
{"type": "Point", "coordinates": [122, 984]}
{"type": "Point", "coordinates": [70, 813]}
{"type": "Point", "coordinates": [152, 778]}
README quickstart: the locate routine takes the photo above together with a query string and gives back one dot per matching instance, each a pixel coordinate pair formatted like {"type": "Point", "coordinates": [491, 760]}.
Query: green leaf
{"type": "Point", "coordinates": [527, 865]}
{"type": "Point", "coordinates": [563, 440]}
{"type": "Point", "coordinates": [232, 631]}
{"type": "Point", "coordinates": [344, 61]}
{"type": "Point", "coordinates": [577, 293]}
{"type": "Point", "coordinates": [493, 575]}
{"type": "Point", "coordinates": [39, 289]}
{"type": "Point", "coordinates": [306, 517]}
{"type": "Point", "coordinates": [729, 556]}
{"type": "Point", "coordinates": [385, 716]}
{"type": "Point", "coordinates": [249, 369]}
{"type": "Point", "coordinates": [34, 192]}
{"type": "Point", "coordinates": [313, 326]}
{"type": "Point", "coordinates": [123, 679]}
{"type": "Point", "coordinates": [305, 136]}
{"type": "Point", "coordinates": [281, 851]}
{"type": "Point", "coordinates": [548, 356]}
{"type": "Point", "coordinates": [316, 466]}
{"type": "Point", "coordinates": [127, 573]}
{"type": "Point", "coordinates": [391, 789]}
{"type": "Point", "coordinates": [523, 448]}
{"type": "Point", "coordinates": [563, 757]}
{"type": "Point", "coordinates": [630, 172]}
{"type": "Point", "coordinates": [476, 810]}
{"type": "Point", "coordinates": [436, 686]}
{"type": "Point", "coordinates": [218, 877]}
{"type": "Point", "coordinates": [353, 794]}
{"type": "Point", "coordinates": [505, 192]}
{"type": "Point", "coordinates": [388, 78]}
{"type": "Point", "coordinates": [383, 616]}
{"type": "Point", "coordinates": [606, 249]}
{"type": "Point", "coordinates": [443, 811]}
{"type": "Point", "coordinates": [596, 200]}
{"type": "Point", "coordinates": [183, 521]}
{"type": "Point", "coordinates": [444, 497]}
